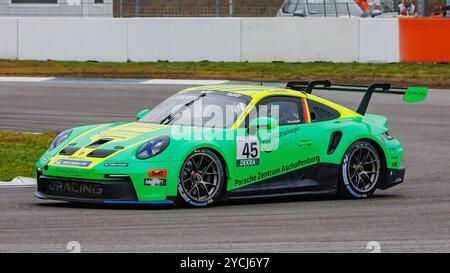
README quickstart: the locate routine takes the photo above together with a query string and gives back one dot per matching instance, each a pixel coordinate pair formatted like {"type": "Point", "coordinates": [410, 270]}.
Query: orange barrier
{"type": "Point", "coordinates": [424, 39]}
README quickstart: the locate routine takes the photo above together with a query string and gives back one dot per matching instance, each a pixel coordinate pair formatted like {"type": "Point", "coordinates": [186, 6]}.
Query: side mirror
{"type": "Point", "coordinates": [299, 13]}
{"type": "Point", "coordinates": [263, 123]}
{"type": "Point", "coordinates": [142, 114]}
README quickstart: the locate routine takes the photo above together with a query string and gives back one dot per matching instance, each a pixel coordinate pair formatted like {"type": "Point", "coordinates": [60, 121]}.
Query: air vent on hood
{"type": "Point", "coordinates": [69, 151]}
{"type": "Point", "coordinates": [98, 143]}
{"type": "Point", "coordinates": [101, 153]}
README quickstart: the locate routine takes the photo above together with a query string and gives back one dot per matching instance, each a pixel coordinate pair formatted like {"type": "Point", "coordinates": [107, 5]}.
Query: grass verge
{"type": "Point", "coordinates": [401, 74]}
{"type": "Point", "coordinates": [19, 153]}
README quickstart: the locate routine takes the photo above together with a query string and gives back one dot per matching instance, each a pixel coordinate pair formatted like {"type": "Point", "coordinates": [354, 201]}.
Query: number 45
{"type": "Point", "coordinates": [250, 149]}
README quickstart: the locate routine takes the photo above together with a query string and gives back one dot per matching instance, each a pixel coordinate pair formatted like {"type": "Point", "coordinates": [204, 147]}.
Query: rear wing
{"type": "Point", "coordinates": [410, 94]}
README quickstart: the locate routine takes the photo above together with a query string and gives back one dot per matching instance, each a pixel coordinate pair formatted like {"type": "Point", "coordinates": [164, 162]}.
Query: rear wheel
{"type": "Point", "coordinates": [361, 170]}
{"type": "Point", "coordinates": [201, 179]}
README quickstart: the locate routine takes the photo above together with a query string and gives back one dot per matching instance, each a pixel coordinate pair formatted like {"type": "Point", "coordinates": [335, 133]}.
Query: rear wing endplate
{"type": "Point", "coordinates": [410, 94]}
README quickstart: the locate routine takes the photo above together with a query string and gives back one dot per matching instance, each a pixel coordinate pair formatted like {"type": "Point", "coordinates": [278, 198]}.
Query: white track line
{"type": "Point", "coordinates": [186, 82]}
{"type": "Point", "coordinates": [111, 81]}
{"type": "Point", "coordinates": [25, 79]}
{"type": "Point", "coordinates": [19, 182]}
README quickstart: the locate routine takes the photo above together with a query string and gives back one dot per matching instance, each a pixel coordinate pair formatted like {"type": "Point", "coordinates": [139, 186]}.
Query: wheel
{"type": "Point", "coordinates": [201, 179]}
{"type": "Point", "coordinates": [361, 170]}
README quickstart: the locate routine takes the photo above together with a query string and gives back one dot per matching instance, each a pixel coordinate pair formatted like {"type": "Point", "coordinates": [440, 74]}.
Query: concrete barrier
{"type": "Point", "coordinates": [72, 39]}
{"type": "Point", "coordinates": [300, 39]}
{"type": "Point", "coordinates": [425, 40]}
{"type": "Point", "coordinates": [184, 39]}
{"type": "Point", "coordinates": [286, 39]}
{"type": "Point", "coordinates": [8, 38]}
{"type": "Point", "coordinates": [378, 40]}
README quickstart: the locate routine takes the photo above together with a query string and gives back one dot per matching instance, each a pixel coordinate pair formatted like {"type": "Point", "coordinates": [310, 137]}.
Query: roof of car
{"type": "Point", "coordinates": [258, 92]}
{"type": "Point", "coordinates": [249, 90]}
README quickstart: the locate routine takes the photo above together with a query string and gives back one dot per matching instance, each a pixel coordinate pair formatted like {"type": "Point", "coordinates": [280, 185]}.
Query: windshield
{"type": "Point", "coordinates": [199, 108]}
{"type": "Point", "coordinates": [323, 7]}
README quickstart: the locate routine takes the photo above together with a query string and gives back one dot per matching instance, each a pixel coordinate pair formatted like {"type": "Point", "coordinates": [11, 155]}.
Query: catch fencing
{"type": "Point", "coordinates": [202, 8]}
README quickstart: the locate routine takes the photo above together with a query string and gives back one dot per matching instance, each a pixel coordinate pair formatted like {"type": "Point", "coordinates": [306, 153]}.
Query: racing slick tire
{"type": "Point", "coordinates": [201, 180]}
{"type": "Point", "coordinates": [360, 171]}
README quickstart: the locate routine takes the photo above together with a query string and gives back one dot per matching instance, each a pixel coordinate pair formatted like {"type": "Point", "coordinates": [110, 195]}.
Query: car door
{"type": "Point", "coordinates": [280, 151]}
{"type": "Point", "coordinates": [281, 148]}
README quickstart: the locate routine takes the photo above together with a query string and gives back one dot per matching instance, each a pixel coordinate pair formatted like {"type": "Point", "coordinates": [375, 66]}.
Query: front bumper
{"type": "Point", "coordinates": [393, 178]}
{"type": "Point", "coordinates": [118, 191]}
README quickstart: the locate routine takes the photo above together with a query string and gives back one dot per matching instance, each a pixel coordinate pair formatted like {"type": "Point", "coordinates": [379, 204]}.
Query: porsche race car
{"type": "Point", "coordinates": [209, 144]}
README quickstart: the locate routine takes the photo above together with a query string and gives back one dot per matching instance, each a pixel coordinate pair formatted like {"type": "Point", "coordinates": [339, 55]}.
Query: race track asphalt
{"type": "Point", "coordinates": [413, 217]}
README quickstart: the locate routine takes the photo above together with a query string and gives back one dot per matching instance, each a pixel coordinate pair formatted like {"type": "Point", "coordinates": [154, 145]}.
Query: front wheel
{"type": "Point", "coordinates": [360, 170]}
{"type": "Point", "coordinates": [201, 179]}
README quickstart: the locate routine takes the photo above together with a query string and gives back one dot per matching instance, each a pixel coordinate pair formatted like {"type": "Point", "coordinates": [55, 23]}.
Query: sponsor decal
{"type": "Point", "coordinates": [247, 162]}
{"type": "Point", "coordinates": [395, 161]}
{"type": "Point", "coordinates": [157, 173]}
{"type": "Point", "coordinates": [245, 181]}
{"type": "Point", "coordinates": [74, 187]}
{"type": "Point", "coordinates": [154, 182]}
{"type": "Point", "coordinates": [285, 168]}
{"type": "Point", "coordinates": [289, 131]}
{"type": "Point", "coordinates": [68, 172]}
{"type": "Point", "coordinates": [116, 164]}
{"type": "Point", "coordinates": [235, 95]}
{"type": "Point", "coordinates": [281, 135]}
{"type": "Point", "coordinates": [247, 151]}
{"type": "Point", "coordinates": [73, 163]}
{"type": "Point", "coordinates": [300, 163]}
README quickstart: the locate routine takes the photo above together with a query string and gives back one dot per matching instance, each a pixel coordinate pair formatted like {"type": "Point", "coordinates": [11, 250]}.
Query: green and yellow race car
{"type": "Point", "coordinates": [209, 144]}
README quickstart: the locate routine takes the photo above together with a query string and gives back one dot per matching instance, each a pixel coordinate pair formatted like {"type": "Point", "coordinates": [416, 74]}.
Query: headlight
{"type": "Point", "coordinates": [153, 147]}
{"type": "Point", "coordinates": [60, 138]}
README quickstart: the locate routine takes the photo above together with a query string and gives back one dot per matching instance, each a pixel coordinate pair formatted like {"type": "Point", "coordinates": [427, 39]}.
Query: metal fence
{"type": "Point", "coordinates": [196, 8]}
{"type": "Point", "coordinates": [199, 8]}
{"type": "Point", "coordinates": [257, 8]}
{"type": "Point", "coordinates": [51, 8]}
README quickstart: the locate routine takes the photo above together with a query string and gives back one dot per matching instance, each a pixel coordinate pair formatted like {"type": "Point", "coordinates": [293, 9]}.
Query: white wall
{"type": "Point", "coordinates": [379, 40]}
{"type": "Point", "coordinates": [8, 38]}
{"type": "Point", "coordinates": [196, 39]}
{"type": "Point", "coordinates": [184, 39]}
{"type": "Point", "coordinates": [73, 39]}
{"type": "Point", "coordinates": [300, 39]}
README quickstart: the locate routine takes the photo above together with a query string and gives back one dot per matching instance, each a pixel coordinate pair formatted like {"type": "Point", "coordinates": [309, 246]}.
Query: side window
{"type": "Point", "coordinates": [320, 112]}
{"type": "Point", "coordinates": [288, 109]}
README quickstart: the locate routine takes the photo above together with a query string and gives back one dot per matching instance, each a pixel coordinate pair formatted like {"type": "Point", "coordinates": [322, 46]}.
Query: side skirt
{"type": "Point", "coordinates": [320, 178]}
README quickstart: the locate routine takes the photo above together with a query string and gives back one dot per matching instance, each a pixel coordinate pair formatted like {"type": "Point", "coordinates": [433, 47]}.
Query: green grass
{"type": "Point", "coordinates": [432, 75]}
{"type": "Point", "coordinates": [19, 153]}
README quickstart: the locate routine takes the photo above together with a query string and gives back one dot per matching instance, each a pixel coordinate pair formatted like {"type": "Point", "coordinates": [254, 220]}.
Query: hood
{"type": "Point", "coordinates": [124, 132]}
{"type": "Point", "coordinates": [104, 141]}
